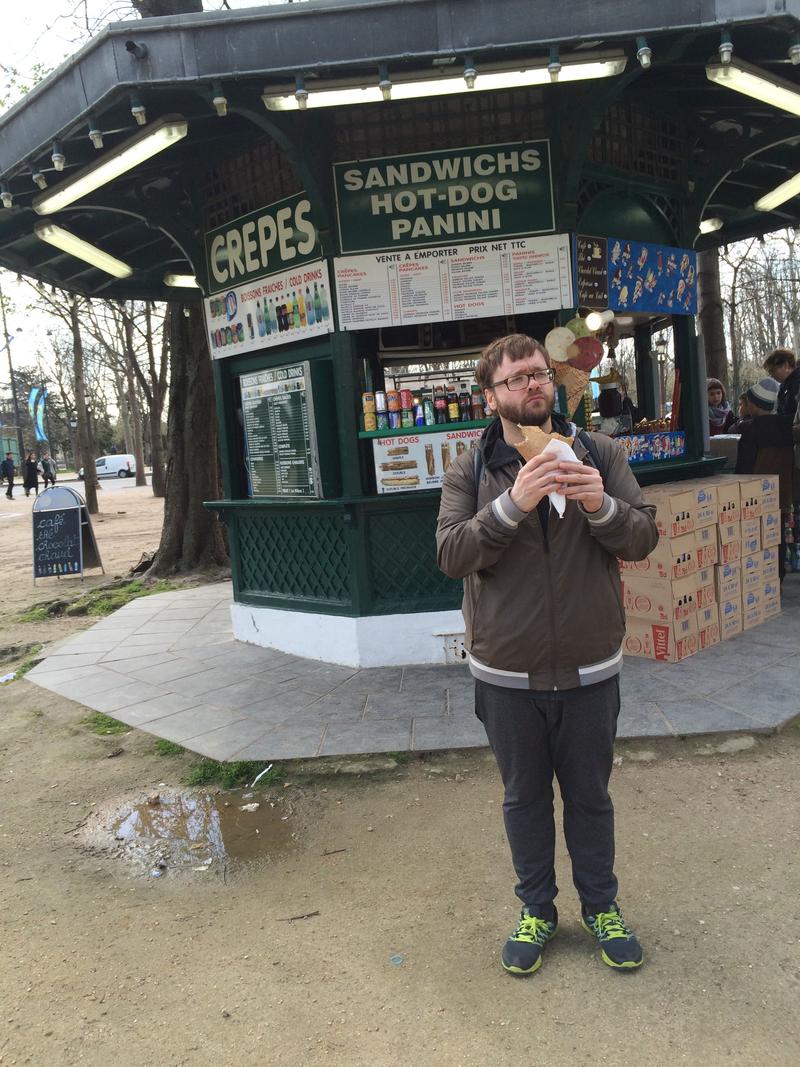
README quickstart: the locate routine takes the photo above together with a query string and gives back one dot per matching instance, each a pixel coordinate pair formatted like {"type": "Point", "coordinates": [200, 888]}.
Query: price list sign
{"type": "Point", "coordinates": [454, 283]}
{"type": "Point", "coordinates": [279, 432]}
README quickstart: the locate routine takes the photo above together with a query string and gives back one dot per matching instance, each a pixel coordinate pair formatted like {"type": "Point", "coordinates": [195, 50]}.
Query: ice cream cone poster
{"type": "Point", "coordinates": [651, 278]}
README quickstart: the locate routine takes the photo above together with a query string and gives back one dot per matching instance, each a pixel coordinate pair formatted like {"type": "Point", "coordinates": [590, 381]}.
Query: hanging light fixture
{"type": "Point", "coordinates": [67, 242]}
{"type": "Point", "coordinates": [470, 73]}
{"type": "Point", "coordinates": [644, 53]}
{"type": "Point", "coordinates": [794, 51]}
{"type": "Point", "coordinates": [6, 196]}
{"type": "Point", "coordinates": [384, 82]}
{"type": "Point", "coordinates": [300, 92]}
{"type": "Point", "coordinates": [725, 47]}
{"type": "Point", "coordinates": [38, 178]}
{"type": "Point", "coordinates": [95, 135]}
{"type": "Point", "coordinates": [412, 85]}
{"type": "Point", "coordinates": [753, 81]}
{"type": "Point", "coordinates": [596, 320]}
{"type": "Point", "coordinates": [58, 157]}
{"type": "Point", "coordinates": [219, 100]}
{"type": "Point", "coordinates": [554, 63]}
{"type": "Point", "coordinates": [131, 153]}
{"type": "Point", "coordinates": [138, 109]}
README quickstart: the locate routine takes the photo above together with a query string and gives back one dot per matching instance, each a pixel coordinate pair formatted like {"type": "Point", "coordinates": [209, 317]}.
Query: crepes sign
{"type": "Point", "coordinates": [433, 198]}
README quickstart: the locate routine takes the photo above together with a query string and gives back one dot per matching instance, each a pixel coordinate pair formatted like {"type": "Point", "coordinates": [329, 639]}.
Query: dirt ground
{"type": "Point", "coordinates": [408, 870]}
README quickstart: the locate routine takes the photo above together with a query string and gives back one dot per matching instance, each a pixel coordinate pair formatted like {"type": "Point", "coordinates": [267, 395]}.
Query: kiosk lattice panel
{"type": "Point", "coordinates": [446, 122]}
{"type": "Point", "coordinates": [403, 562]}
{"type": "Point", "coordinates": [632, 140]}
{"type": "Point", "coordinates": [299, 556]}
{"type": "Point", "coordinates": [245, 182]}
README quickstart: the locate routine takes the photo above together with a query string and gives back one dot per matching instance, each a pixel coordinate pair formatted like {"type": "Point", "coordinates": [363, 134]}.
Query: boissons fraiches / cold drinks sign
{"type": "Point", "coordinates": [431, 198]}
{"type": "Point", "coordinates": [268, 283]}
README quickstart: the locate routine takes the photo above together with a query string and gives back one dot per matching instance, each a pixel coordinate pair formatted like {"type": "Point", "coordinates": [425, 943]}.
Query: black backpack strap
{"type": "Point", "coordinates": [478, 469]}
{"type": "Point", "coordinates": [588, 443]}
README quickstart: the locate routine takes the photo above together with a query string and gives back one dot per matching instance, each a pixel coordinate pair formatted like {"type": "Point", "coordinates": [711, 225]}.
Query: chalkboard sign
{"type": "Point", "coordinates": [57, 547]}
{"type": "Point", "coordinates": [591, 261]}
{"type": "Point", "coordinates": [63, 538]}
{"type": "Point", "coordinates": [280, 433]}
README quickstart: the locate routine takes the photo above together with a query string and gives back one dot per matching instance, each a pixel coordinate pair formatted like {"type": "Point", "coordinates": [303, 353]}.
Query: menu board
{"type": "Point", "coordinates": [591, 262]}
{"type": "Point", "coordinates": [453, 283]}
{"type": "Point", "coordinates": [57, 542]}
{"type": "Point", "coordinates": [280, 439]}
{"type": "Point", "coordinates": [417, 461]}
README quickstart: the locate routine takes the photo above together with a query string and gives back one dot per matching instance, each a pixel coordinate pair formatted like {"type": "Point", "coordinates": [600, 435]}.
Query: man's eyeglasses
{"type": "Point", "coordinates": [517, 382]}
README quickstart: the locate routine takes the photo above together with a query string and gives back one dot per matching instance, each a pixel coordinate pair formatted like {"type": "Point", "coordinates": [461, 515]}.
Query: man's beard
{"type": "Point", "coordinates": [526, 415]}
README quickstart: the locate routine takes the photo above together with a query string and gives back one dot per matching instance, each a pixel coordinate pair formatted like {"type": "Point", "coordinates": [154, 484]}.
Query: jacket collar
{"type": "Point", "coordinates": [497, 453]}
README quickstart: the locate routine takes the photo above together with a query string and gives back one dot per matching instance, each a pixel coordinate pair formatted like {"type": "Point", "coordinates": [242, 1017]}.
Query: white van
{"type": "Point", "coordinates": [123, 466]}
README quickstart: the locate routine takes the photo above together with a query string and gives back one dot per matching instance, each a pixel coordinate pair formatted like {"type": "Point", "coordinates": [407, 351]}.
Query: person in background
{"type": "Point", "coordinates": [781, 365]}
{"type": "Point", "coordinates": [8, 470]}
{"type": "Point", "coordinates": [48, 469]}
{"type": "Point", "coordinates": [766, 446]}
{"type": "Point", "coordinates": [743, 414]}
{"type": "Point", "coordinates": [720, 416]}
{"type": "Point", "coordinates": [30, 474]}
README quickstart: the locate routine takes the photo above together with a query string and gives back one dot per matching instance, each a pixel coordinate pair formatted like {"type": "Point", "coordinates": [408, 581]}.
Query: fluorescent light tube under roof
{"type": "Point", "coordinates": [779, 195]}
{"type": "Point", "coordinates": [139, 148]}
{"type": "Point", "coordinates": [710, 225]}
{"type": "Point", "coordinates": [181, 281]}
{"type": "Point", "coordinates": [76, 246]}
{"type": "Point", "coordinates": [409, 86]}
{"type": "Point", "coordinates": [753, 81]}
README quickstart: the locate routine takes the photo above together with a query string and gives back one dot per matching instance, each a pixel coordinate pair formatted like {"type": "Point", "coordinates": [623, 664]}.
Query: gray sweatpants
{"type": "Point", "coordinates": [570, 733]}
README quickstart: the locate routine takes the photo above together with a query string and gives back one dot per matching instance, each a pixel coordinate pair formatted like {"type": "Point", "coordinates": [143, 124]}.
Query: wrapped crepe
{"type": "Point", "coordinates": [536, 441]}
{"type": "Point", "coordinates": [557, 500]}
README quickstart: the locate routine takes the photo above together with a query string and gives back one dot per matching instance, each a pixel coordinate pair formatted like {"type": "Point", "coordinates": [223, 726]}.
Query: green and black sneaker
{"type": "Point", "coordinates": [620, 947]}
{"type": "Point", "coordinates": [522, 953]}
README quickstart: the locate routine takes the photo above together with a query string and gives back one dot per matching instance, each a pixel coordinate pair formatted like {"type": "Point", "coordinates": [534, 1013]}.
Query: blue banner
{"type": "Point", "coordinates": [36, 402]}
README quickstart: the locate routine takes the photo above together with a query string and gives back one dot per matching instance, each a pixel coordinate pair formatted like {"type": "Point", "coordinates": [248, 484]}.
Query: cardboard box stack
{"type": "Point", "coordinates": [714, 572]}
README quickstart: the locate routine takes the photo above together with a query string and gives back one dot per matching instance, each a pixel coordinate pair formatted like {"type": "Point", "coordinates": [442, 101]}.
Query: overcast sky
{"type": "Point", "coordinates": [47, 32]}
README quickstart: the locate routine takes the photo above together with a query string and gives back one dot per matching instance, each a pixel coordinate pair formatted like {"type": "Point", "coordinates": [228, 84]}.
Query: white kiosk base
{"type": "Point", "coordinates": [369, 641]}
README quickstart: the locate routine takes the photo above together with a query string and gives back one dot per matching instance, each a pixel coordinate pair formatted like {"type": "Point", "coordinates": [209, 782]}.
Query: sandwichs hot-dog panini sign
{"type": "Point", "coordinates": [435, 198]}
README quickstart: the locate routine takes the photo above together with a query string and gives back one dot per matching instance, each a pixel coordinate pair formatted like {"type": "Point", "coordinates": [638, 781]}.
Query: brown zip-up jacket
{"type": "Point", "coordinates": [543, 611]}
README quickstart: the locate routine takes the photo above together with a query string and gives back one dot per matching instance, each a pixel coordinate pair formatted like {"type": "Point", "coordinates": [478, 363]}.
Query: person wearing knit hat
{"type": "Point", "coordinates": [766, 447]}
{"type": "Point", "coordinates": [720, 416]}
{"type": "Point", "coordinates": [764, 396]}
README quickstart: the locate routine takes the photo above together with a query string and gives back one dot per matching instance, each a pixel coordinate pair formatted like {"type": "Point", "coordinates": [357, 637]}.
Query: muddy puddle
{"type": "Point", "coordinates": [173, 833]}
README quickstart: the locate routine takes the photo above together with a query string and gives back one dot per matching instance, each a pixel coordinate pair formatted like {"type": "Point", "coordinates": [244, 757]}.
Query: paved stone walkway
{"type": "Point", "coordinates": [168, 664]}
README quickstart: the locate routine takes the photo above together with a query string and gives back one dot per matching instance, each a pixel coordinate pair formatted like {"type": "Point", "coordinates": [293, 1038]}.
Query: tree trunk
{"type": "Point", "coordinates": [122, 401]}
{"type": "Point", "coordinates": [192, 537]}
{"type": "Point", "coordinates": [158, 380]}
{"type": "Point", "coordinates": [85, 442]}
{"type": "Point", "coordinates": [710, 315]}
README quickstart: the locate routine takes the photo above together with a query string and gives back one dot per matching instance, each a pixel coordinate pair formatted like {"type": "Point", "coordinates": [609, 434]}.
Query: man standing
{"type": "Point", "coordinates": [544, 630]}
{"type": "Point", "coordinates": [781, 365]}
{"type": "Point", "coordinates": [7, 471]}
{"type": "Point", "coordinates": [48, 469]}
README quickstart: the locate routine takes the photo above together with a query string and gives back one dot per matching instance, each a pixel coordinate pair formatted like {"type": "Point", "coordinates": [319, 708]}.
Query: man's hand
{"type": "Point", "coordinates": [535, 480]}
{"type": "Point", "coordinates": [579, 482]}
